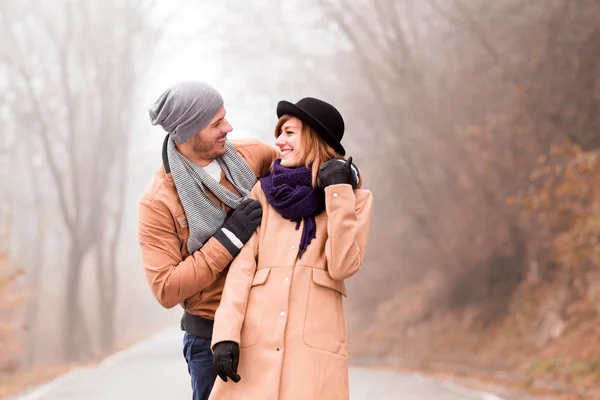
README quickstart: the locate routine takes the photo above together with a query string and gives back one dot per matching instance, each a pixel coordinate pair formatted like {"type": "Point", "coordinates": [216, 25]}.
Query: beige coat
{"type": "Point", "coordinates": [194, 281]}
{"type": "Point", "coordinates": [285, 312]}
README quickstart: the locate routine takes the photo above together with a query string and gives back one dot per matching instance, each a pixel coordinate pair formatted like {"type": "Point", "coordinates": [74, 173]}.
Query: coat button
{"type": "Point", "coordinates": [335, 195]}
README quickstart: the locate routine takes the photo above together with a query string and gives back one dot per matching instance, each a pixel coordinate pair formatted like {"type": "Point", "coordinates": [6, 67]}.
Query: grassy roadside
{"type": "Point", "coordinates": [507, 385]}
{"type": "Point", "coordinates": [17, 382]}
{"type": "Point", "coordinates": [12, 384]}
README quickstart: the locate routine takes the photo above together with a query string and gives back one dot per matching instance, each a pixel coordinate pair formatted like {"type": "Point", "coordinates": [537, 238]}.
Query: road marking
{"type": "Point", "coordinates": [489, 396]}
{"type": "Point", "coordinates": [123, 354]}
{"type": "Point", "coordinates": [459, 389]}
{"type": "Point", "coordinates": [45, 388]}
{"type": "Point", "coordinates": [63, 382]}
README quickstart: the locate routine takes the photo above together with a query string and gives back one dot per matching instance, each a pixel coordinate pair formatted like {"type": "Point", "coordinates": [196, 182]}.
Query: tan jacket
{"type": "Point", "coordinates": [194, 281]}
{"type": "Point", "coordinates": [286, 313]}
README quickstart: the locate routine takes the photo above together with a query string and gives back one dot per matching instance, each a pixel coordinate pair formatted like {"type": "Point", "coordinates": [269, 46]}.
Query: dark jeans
{"type": "Point", "coordinates": [200, 365]}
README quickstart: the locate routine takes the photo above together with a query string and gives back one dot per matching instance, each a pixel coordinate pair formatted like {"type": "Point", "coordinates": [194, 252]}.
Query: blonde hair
{"type": "Point", "coordinates": [314, 149]}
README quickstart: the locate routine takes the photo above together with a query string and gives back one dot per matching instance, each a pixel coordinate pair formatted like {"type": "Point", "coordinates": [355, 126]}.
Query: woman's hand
{"type": "Point", "coordinates": [334, 172]}
{"type": "Point", "coordinates": [226, 356]}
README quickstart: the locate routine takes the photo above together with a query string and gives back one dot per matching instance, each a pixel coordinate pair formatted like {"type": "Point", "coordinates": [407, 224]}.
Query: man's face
{"type": "Point", "coordinates": [209, 143]}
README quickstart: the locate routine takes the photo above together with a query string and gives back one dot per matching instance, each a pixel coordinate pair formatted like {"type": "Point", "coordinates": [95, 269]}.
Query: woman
{"type": "Point", "coordinates": [280, 323]}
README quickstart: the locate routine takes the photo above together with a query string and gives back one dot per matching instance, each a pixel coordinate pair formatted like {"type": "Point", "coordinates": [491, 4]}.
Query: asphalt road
{"type": "Point", "coordinates": [155, 369]}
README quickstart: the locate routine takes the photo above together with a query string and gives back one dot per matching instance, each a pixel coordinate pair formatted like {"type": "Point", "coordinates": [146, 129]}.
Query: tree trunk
{"type": "Point", "coordinates": [106, 300]}
{"type": "Point", "coordinates": [35, 270]}
{"type": "Point", "coordinates": [76, 341]}
{"type": "Point", "coordinates": [34, 302]}
{"type": "Point", "coordinates": [107, 262]}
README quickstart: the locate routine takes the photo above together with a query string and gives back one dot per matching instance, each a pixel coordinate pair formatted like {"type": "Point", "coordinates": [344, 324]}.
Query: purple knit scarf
{"type": "Point", "coordinates": [290, 192]}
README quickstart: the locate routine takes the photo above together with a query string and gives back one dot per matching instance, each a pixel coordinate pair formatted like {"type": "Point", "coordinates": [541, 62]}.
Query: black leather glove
{"type": "Point", "coordinates": [335, 172]}
{"type": "Point", "coordinates": [241, 224]}
{"type": "Point", "coordinates": [226, 357]}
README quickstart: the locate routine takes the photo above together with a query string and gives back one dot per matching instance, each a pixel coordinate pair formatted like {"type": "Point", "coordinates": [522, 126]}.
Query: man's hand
{"type": "Point", "coordinates": [226, 357]}
{"type": "Point", "coordinates": [334, 172]}
{"type": "Point", "coordinates": [240, 225]}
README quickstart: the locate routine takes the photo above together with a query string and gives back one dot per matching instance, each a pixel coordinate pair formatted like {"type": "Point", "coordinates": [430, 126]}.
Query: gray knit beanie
{"type": "Point", "coordinates": [185, 109]}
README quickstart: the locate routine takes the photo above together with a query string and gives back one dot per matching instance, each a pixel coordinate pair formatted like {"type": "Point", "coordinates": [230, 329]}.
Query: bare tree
{"type": "Point", "coordinates": [75, 69]}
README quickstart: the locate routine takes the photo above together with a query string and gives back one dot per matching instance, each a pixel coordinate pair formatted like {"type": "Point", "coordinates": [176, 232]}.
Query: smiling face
{"type": "Point", "coordinates": [289, 142]}
{"type": "Point", "coordinates": [209, 143]}
{"type": "Point", "coordinates": [300, 145]}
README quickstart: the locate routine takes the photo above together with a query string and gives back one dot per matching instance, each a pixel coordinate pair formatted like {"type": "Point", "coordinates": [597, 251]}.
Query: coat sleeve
{"type": "Point", "coordinates": [173, 279]}
{"type": "Point", "coordinates": [258, 155]}
{"type": "Point", "coordinates": [231, 312]}
{"type": "Point", "coordinates": [348, 222]}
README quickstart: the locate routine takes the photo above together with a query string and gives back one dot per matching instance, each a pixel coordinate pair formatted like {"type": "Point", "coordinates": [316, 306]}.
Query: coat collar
{"type": "Point", "coordinates": [165, 158]}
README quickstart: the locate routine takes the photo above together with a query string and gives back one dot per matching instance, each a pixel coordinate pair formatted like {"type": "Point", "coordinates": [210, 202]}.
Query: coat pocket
{"type": "Point", "coordinates": [324, 323]}
{"type": "Point", "coordinates": [190, 302]}
{"type": "Point", "coordinates": [256, 298]}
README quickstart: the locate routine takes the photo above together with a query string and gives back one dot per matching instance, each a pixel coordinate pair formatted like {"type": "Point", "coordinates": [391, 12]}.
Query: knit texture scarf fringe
{"type": "Point", "coordinates": [203, 215]}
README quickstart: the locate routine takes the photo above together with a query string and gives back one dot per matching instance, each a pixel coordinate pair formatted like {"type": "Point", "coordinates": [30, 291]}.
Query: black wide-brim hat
{"type": "Point", "coordinates": [324, 118]}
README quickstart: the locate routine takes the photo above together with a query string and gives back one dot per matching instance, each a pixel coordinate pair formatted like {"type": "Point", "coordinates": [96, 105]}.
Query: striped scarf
{"type": "Point", "coordinates": [203, 215]}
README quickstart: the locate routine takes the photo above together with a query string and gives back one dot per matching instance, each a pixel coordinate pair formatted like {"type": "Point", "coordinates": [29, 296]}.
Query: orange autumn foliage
{"type": "Point", "coordinates": [11, 304]}
{"type": "Point", "coordinates": [564, 198]}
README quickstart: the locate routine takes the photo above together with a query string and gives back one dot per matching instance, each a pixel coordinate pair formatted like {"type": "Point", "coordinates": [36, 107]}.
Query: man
{"type": "Point", "coordinates": [195, 215]}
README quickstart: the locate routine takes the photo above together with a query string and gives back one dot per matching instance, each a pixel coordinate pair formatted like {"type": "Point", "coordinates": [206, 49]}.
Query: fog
{"type": "Point", "coordinates": [473, 124]}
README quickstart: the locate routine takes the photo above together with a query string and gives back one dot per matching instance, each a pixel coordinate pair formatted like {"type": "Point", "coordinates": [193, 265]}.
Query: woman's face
{"type": "Point", "coordinates": [288, 142]}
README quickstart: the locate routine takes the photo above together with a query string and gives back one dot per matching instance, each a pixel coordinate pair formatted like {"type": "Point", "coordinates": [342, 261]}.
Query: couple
{"type": "Point", "coordinates": [255, 244]}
